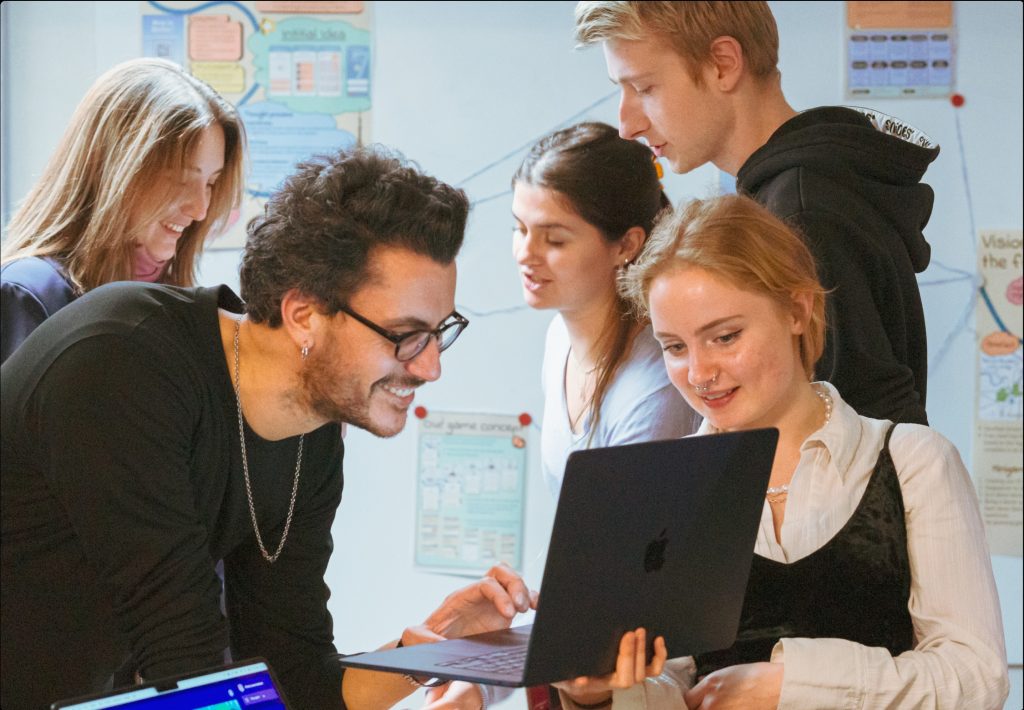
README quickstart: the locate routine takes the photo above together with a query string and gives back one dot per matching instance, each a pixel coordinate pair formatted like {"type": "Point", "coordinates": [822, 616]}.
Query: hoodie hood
{"type": "Point", "coordinates": [876, 156]}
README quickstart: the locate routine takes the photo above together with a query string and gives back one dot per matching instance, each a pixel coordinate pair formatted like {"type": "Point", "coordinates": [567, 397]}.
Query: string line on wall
{"type": "Point", "coordinates": [962, 324]}
{"type": "Point", "coordinates": [466, 311]}
{"type": "Point", "coordinates": [528, 144]}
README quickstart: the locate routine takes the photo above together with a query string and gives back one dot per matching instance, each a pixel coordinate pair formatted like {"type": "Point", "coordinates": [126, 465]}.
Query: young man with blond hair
{"type": "Point", "coordinates": [700, 84]}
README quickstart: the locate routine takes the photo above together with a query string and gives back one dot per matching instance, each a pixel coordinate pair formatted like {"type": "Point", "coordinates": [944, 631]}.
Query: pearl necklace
{"type": "Point", "coordinates": [245, 470]}
{"type": "Point", "coordinates": [777, 494]}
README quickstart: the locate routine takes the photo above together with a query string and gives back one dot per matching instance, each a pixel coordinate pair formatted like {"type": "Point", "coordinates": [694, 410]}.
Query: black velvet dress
{"type": "Point", "coordinates": [855, 587]}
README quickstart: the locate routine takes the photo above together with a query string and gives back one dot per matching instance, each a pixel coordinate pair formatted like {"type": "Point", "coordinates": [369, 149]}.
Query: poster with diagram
{"type": "Point", "coordinates": [998, 435]}
{"type": "Point", "coordinates": [898, 49]}
{"type": "Point", "coordinates": [299, 74]}
{"type": "Point", "coordinates": [470, 492]}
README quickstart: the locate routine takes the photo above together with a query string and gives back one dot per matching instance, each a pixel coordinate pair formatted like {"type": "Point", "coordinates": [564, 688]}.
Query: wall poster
{"type": "Point", "coordinates": [298, 72]}
{"type": "Point", "coordinates": [998, 437]}
{"type": "Point", "coordinates": [899, 49]}
{"type": "Point", "coordinates": [470, 492]}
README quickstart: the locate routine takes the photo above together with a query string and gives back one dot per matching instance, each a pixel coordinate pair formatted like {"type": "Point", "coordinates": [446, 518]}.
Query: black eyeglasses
{"type": "Point", "coordinates": [409, 345]}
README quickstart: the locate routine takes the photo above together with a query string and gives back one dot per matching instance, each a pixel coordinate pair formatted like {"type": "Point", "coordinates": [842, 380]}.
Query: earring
{"type": "Point", "coordinates": [305, 351]}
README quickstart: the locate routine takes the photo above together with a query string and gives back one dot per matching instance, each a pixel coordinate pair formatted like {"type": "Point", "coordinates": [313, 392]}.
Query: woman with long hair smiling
{"type": "Point", "coordinates": [150, 166]}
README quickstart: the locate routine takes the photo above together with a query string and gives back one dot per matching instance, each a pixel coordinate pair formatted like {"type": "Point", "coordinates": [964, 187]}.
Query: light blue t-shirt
{"type": "Point", "coordinates": [640, 405]}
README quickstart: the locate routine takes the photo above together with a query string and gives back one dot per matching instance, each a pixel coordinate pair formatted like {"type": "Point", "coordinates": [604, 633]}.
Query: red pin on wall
{"type": "Point", "coordinates": [525, 419]}
{"type": "Point", "coordinates": [420, 412]}
{"type": "Point", "coordinates": [957, 100]}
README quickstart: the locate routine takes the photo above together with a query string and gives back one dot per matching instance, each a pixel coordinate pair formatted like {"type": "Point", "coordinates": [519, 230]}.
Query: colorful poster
{"type": "Point", "coordinates": [899, 49]}
{"type": "Point", "coordinates": [998, 437]}
{"type": "Point", "coordinates": [298, 72]}
{"type": "Point", "coordinates": [470, 492]}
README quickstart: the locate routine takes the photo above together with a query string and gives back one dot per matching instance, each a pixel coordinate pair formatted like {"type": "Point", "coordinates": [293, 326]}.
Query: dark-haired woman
{"type": "Point", "coordinates": [584, 202]}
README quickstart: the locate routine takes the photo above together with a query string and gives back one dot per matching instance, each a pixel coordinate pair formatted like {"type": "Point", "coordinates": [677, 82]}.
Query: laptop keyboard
{"type": "Point", "coordinates": [503, 661]}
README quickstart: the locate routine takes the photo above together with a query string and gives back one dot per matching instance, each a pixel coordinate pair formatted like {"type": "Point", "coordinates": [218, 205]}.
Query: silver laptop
{"type": "Point", "coordinates": [249, 684]}
{"type": "Point", "coordinates": [659, 535]}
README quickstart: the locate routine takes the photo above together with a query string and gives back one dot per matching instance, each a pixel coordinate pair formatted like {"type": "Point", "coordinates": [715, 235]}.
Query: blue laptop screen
{"type": "Point", "coordinates": [238, 688]}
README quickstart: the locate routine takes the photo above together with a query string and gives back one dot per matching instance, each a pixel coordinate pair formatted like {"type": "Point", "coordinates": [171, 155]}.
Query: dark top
{"type": "Point", "coordinates": [31, 290]}
{"type": "Point", "coordinates": [855, 587]}
{"type": "Point", "coordinates": [122, 487]}
{"type": "Point", "coordinates": [855, 194]}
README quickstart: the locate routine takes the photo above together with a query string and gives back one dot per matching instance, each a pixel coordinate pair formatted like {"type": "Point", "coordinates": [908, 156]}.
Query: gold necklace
{"type": "Point", "coordinates": [579, 364]}
{"type": "Point", "coordinates": [582, 397]}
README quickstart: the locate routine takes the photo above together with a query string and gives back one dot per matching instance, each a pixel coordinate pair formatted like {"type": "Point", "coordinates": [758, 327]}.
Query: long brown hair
{"type": "Point", "coordinates": [137, 120]}
{"type": "Point", "coordinates": [613, 185]}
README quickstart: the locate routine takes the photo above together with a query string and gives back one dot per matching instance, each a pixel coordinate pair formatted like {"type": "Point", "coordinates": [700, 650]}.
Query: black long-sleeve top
{"type": "Point", "coordinates": [122, 487]}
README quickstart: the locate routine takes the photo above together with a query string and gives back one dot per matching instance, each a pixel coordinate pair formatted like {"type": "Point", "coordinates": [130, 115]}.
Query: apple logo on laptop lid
{"type": "Point", "coordinates": [654, 559]}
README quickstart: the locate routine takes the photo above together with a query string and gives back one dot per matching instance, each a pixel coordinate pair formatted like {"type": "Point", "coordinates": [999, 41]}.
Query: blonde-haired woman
{"type": "Point", "coordinates": [871, 585]}
{"type": "Point", "coordinates": [150, 165]}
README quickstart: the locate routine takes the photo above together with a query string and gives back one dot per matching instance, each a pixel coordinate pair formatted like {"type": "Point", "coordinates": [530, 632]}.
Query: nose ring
{"type": "Point", "coordinates": [706, 387]}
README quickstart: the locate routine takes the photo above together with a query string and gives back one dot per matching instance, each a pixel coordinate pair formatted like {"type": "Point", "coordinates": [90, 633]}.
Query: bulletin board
{"type": "Point", "coordinates": [298, 72]}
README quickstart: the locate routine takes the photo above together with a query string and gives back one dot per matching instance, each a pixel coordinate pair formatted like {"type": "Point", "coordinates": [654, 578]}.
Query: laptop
{"type": "Point", "coordinates": [657, 534]}
{"type": "Point", "coordinates": [247, 684]}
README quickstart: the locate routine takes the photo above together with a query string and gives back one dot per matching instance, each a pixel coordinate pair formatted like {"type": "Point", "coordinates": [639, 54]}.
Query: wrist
{"type": "Point", "coordinates": [416, 680]}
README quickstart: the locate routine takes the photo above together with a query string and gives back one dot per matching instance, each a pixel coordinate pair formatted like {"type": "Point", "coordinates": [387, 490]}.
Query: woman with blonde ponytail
{"type": "Point", "coordinates": [150, 165]}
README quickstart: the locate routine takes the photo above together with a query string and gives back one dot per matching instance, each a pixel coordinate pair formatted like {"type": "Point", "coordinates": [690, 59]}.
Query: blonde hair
{"type": "Point", "coordinates": [138, 119]}
{"type": "Point", "coordinates": [688, 28]}
{"type": "Point", "coordinates": [737, 240]}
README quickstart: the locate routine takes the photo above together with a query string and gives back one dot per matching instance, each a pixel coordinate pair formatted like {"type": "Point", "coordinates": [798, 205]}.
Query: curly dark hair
{"type": "Point", "coordinates": [318, 230]}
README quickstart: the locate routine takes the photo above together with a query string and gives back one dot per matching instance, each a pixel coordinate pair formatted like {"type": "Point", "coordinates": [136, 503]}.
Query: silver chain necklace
{"type": "Point", "coordinates": [245, 470]}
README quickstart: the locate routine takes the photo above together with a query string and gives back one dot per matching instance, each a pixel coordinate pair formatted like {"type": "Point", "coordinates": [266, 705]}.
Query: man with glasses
{"type": "Point", "coordinates": [150, 432]}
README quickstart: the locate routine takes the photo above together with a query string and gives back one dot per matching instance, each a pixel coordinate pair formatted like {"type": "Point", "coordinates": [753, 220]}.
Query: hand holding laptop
{"type": "Point", "coordinates": [631, 667]}
{"type": "Point", "coordinates": [633, 522]}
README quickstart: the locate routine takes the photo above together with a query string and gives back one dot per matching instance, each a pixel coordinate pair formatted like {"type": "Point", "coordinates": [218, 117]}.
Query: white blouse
{"type": "Point", "coordinates": [959, 657]}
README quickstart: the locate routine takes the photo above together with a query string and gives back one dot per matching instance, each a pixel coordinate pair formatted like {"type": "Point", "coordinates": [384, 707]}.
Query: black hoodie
{"type": "Point", "coordinates": [849, 182]}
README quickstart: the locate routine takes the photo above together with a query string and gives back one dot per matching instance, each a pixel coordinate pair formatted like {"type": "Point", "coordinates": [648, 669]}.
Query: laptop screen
{"type": "Point", "coordinates": [249, 684]}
